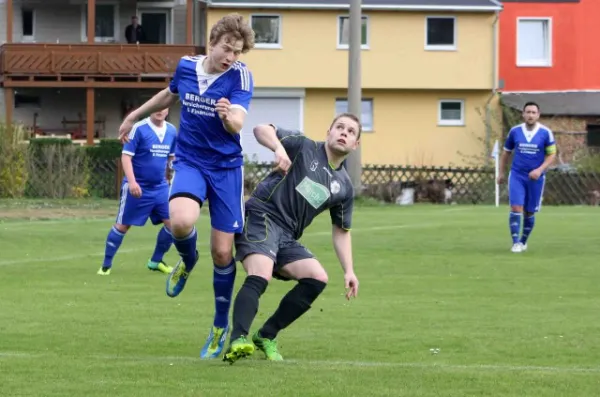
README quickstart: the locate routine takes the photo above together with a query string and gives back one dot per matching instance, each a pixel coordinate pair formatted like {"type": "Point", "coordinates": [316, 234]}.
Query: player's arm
{"type": "Point", "coordinates": [169, 170]}
{"type": "Point", "coordinates": [127, 154]}
{"type": "Point", "coordinates": [239, 101]}
{"type": "Point", "coordinates": [273, 138]}
{"type": "Point", "coordinates": [550, 148]}
{"type": "Point", "coordinates": [342, 244]}
{"type": "Point", "coordinates": [164, 99]}
{"type": "Point", "coordinates": [509, 146]}
{"type": "Point", "coordinates": [341, 219]}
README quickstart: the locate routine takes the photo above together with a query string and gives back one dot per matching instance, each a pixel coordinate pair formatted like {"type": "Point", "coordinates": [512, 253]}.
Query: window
{"type": "Point", "coordinates": [366, 113]}
{"type": "Point", "coordinates": [451, 112]}
{"type": "Point", "coordinates": [344, 32]}
{"type": "Point", "coordinates": [106, 23]}
{"type": "Point", "coordinates": [267, 30]}
{"type": "Point", "coordinates": [28, 25]}
{"type": "Point", "coordinates": [440, 33]}
{"type": "Point", "coordinates": [534, 42]}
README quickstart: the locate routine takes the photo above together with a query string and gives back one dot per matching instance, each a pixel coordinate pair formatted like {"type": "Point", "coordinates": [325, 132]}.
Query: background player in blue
{"type": "Point", "coordinates": [281, 207]}
{"type": "Point", "coordinates": [145, 189]}
{"type": "Point", "coordinates": [534, 151]}
{"type": "Point", "coordinates": [215, 93]}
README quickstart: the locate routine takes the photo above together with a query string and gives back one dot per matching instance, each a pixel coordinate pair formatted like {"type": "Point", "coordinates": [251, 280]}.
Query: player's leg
{"type": "Point", "coordinates": [164, 239]}
{"type": "Point", "coordinates": [256, 247]}
{"type": "Point", "coordinates": [300, 265]}
{"type": "Point", "coordinates": [133, 211]}
{"type": "Point", "coordinates": [517, 191]}
{"type": "Point", "coordinates": [225, 197]}
{"type": "Point", "coordinates": [188, 192]}
{"type": "Point", "coordinates": [535, 192]}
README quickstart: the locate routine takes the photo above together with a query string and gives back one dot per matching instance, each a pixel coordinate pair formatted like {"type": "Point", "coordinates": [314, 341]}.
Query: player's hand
{"type": "Point", "coordinates": [535, 174]}
{"type": "Point", "coordinates": [222, 107]}
{"type": "Point", "coordinates": [351, 285]}
{"type": "Point", "coordinates": [135, 190]}
{"type": "Point", "coordinates": [500, 179]}
{"type": "Point", "coordinates": [125, 129]}
{"type": "Point", "coordinates": [282, 160]}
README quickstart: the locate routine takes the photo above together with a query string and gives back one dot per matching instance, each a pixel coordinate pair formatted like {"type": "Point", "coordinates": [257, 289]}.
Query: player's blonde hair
{"type": "Point", "coordinates": [236, 27]}
{"type": "Point", "coordinates": [349, 116]}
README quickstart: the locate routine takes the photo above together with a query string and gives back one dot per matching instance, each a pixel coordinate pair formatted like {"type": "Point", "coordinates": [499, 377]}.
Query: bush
{"type": "Point", "coordinates": [13, 161]}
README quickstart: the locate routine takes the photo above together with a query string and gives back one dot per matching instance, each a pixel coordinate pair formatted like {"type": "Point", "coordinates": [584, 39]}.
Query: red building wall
{"type": "Point", "coordinates": [575, 47]}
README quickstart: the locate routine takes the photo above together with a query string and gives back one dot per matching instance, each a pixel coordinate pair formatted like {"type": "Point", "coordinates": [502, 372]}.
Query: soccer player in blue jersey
{"type": "Point", "coordinates": [145, 189]}
{"type": "Point", "coordinates": [215, 93]}
{"type": "Point", "coordinates": [534, 151]}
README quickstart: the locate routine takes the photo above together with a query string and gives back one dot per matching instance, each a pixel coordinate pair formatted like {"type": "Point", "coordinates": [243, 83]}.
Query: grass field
{"type": "Point", "coordinates": [431, 278]}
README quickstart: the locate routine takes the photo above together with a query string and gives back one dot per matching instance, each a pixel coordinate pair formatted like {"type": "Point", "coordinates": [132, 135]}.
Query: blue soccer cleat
{"type": "Point", "coordinates": [178, 277]}
{"type": "Point", "coordinates": [214, 343]}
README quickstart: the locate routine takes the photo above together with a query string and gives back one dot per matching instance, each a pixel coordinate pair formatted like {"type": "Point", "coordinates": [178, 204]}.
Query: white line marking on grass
{"type": "Point", "coordinates": [149, 247]}
{"type": "Point", "coordinates": [317, 363]}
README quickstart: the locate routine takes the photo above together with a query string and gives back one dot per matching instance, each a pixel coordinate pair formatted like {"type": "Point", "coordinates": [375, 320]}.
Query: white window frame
{"type": "Point", "coordinates": [24, 38]}
{"type": "Point", "coordinates": [338, 35]}
{"type": "Point", "coordinates": [117, 30]}
{"type": "Point", "coordinates": [275, 46]}
{"type": "Point", "coordinates": [526, 63]}
{"type": "Point", "coordinates": [166, 6]}
{"type": "Point", "coordinates": [454, 123]}
{"type": "Point", "coordinates": [369, 128]}
{"type": "Point", "coordinates": [441, 47]}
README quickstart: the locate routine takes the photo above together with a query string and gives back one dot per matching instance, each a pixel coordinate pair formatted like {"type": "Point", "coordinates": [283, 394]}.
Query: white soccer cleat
{"type": "Point", "coordinates": [517, 247]}
{"type": "Point", "coordinates": [523, 247]}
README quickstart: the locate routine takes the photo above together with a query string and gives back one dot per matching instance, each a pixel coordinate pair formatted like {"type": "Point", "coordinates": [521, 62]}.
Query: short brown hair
{"type": "Point", "coordinates": [234, 25]}
{"type": "Point", "coordinates": [351, 117]}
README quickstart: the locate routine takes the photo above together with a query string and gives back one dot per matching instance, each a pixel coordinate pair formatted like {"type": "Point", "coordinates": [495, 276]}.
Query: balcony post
{"type": "Point", "coordinates": [9, 21]}
{"type": "Point", "coordinates": [9, 104]}
{"type": "Point", "coordinates": [91, 21]}
{"type": "Point", "coordinates": [90, 115]}
{"type": "Point", "coordinates": [189, 13]}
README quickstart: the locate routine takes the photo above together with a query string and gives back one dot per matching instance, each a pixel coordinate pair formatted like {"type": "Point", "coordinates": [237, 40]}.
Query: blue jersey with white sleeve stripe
{"type": "Point", "coordinates": [203, 140]}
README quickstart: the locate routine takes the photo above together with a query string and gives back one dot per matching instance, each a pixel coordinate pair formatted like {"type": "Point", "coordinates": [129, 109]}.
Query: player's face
{"type": "Point", "coordinates": [160, 116]}
{"type": "Point", "coordinates": [531, 114]}
{"type": "Point", "coordinates": [343, 136]}
{"type": "Point", "coordinates": [225, 52]}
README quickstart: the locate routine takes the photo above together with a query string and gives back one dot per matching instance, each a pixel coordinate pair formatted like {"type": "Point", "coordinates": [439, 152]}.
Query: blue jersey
{"type": "Point", "coordinates": [150, 146]}
{"type": "Point", "coordinates": [203, 141]}
{"type": "Point", "coordinates": [530, 147]}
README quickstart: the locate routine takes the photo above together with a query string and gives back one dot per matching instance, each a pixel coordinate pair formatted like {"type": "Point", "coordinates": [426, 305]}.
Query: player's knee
{"type": "Point", "coordinates": [516, 208]}
{"type": "Point", "coordinates": [321, 276]}
{"type": "Point", "coordinates": [221, 255]}
{"type": "Point", "coordinates": [122, 228]}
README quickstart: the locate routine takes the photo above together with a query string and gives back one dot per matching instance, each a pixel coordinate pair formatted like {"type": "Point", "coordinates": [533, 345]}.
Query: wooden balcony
{"type": "Point", "coordinates": [90, 65]}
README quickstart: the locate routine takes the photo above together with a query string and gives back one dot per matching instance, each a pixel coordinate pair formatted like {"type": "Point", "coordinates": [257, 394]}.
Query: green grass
{"type": "Point", "coordinates": [431, 278]}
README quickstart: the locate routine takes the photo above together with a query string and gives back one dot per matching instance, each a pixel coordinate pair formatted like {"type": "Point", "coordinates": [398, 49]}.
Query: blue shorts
{"type": "Point", "coordinates": [223, 188]}
{"type": "Point", "coordinates": [525, 192]}
{"type": "Point", "coordinates": [153, 204]}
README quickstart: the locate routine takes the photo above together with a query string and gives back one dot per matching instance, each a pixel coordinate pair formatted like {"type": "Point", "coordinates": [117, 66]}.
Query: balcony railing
{"type": "Point", "coordinates": [44, 61]}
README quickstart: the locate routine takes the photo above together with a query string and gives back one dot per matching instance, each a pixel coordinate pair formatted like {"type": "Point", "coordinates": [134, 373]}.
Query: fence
{"type": "Point", "coordinates": [64, 174]}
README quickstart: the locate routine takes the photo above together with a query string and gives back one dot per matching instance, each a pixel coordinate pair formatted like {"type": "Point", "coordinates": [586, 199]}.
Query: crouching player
{"type": "Point", "coordinates": [534, 151]}
{"type": "Point", "coordinates": [145, 189]}
{"type": "Point", "coordinates": [277, 213]}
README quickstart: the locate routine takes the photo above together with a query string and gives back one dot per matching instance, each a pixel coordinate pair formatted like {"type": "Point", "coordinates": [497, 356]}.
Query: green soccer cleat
{"type": "Point", "coordinates": [267, 346]}
{"type": "Point", "coordinates": [104, 271]}
{"type": "Point", "coordinates": [239, 348]}
{"type": "Point", "coordinates": [159, 267]}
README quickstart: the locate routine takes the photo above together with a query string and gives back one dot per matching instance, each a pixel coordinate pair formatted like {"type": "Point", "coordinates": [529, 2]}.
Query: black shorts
{"type": "Point", "coordinates": [263, 236]}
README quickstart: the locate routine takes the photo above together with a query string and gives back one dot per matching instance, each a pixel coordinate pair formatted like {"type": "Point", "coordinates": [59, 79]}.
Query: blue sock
{"type": "Point", "coordinates": [113, 242]}
{"type": "Point", "coordinates": [187, 249]}
{"type": "Point", "coordinates": [223, 280]}
{"type": "Point", "coordinates": [163, 243]}
{"type": "Point", "coordinates": [514, 221]}
{"type": "Point", "coordinates": [528, 224]}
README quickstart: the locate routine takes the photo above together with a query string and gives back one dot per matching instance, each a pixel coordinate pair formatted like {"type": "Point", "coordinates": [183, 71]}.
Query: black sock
{"type": "Point", "coordinates": [246, 305]}
{"type": "Point", "coordinates": [293, 305]}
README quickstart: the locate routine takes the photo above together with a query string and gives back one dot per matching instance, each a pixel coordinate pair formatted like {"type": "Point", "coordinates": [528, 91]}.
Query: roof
{"type": "Point", "coordinates": [576, 103]}
{"type": "Point", "coordinates": [392, 5]}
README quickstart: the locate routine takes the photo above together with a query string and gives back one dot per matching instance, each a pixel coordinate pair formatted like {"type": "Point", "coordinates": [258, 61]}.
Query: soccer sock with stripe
{"type": "Point", "coordinates": [113, 242]}
{"type": "Point", "coordinates": [514, 221]}
{"type": "Point", "coordinates": [164, 239]}
{"type": "Point", "coordinates": [528, 224]}
{"type": "Point", "coordinates": [223, 281]}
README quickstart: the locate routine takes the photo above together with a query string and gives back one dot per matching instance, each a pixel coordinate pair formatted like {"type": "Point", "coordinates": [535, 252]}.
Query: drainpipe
{"type": "Point", "coordinates": [488, 110]}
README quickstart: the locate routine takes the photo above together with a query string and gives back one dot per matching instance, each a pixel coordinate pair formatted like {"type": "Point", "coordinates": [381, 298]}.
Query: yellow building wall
{"type": "Point", "coordinates": [405, 126]}
{"type": "Point", "coordinates": [396, 57]}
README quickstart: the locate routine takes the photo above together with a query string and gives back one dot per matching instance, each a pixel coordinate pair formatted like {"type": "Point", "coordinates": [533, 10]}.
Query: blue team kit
{"type": "Point", "coordinates": [208, 159]}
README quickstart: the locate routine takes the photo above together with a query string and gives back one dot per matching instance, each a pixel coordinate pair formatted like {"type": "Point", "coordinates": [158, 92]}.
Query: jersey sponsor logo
{"type": "Point", "coordinates": [315, 193]}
